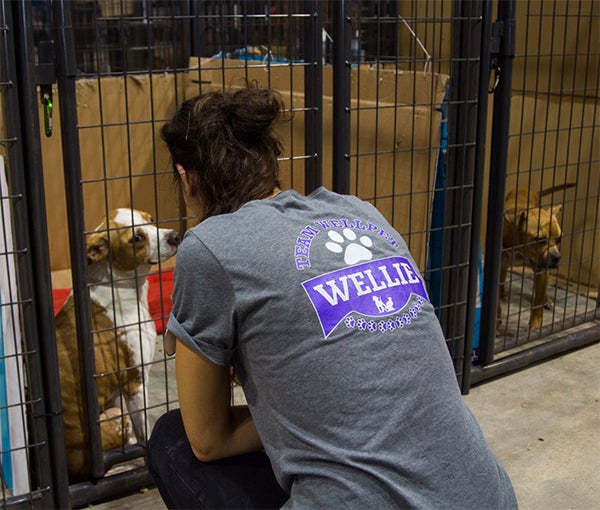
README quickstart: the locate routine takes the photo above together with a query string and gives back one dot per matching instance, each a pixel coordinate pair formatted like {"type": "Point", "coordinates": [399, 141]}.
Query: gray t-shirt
{"type": "Point", "coordinates": [321, 309]}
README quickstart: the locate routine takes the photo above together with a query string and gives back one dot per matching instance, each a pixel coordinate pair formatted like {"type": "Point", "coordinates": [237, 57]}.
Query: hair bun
{"type": "Point", "coordinates": [252, 112]}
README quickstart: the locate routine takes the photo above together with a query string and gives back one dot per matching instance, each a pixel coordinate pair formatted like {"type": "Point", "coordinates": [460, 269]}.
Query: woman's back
{"type": "Point", "coordinates": [321, 309]}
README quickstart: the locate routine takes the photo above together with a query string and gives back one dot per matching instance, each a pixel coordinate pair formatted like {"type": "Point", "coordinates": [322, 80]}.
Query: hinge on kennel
{"type": "Point", "coordinates": [46, 76]}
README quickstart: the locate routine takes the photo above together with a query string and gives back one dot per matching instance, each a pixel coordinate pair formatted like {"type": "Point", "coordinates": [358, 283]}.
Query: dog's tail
{"type": "Point", "coordinates": [558, 187]}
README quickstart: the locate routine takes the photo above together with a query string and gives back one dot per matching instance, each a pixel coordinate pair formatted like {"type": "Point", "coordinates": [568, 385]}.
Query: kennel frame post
{"type": "Point", "coordinates": [497, 181]}
{"type": "Point", "coordinates": [478, 182]}
{"type": "Point", "coordinates": [463, 139]}
{"type": "Point", "coordinates": [565, 341]}
{"type": "Point", "coordinates": [31, 260]}
{"type": "Point", "coordinates": [313, 97]}
{"type": "Point", "coordinates": [66, 71]}
{"type": "Point", "coordinates": [341, 96]}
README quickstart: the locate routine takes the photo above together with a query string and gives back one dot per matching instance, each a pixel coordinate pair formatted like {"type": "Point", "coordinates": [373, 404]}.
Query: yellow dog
{"type": "Point", "coordinates": [533, 232]}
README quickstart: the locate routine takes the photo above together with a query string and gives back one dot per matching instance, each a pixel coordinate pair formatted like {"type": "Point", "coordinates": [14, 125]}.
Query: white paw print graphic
{"type": "Point", "coordinates": [355, 251]}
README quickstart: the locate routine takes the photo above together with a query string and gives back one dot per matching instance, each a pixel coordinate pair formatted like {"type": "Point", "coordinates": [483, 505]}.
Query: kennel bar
{"type": "Point", "coordinates": [20, 104]}
{"type": "Point", "coordinates": [462, 63]}
{"type": "Point", "coordinates": [36, 207]}
{"type": "Point", "coordinates": [463, 140]}
{"type": "Point", "coordinates": [313, 96]}
{"type": "Point", "coordinates": [497, 185]}
{"type": "Point", "coordinates": [66, 71]}
{"type": "Point", "coordinates": [342, 26]}
{"type": "Point", "coordinates": [562, 342]}
{"type": "Point", "coordinates": [478, 180]}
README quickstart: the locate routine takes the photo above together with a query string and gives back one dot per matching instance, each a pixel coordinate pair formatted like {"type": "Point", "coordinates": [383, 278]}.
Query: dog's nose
{"type": "Point", "coordinates": [553, 260]}
{"type": "Point", "coordinates": [173, 238]}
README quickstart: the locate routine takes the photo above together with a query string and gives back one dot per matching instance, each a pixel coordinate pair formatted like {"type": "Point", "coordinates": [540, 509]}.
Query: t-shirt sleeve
{"type": "Point", "coordinates": [202, 315]}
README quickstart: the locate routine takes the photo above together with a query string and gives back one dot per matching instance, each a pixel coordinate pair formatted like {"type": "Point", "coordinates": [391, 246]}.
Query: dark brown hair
{"type": "Point", "coordinates": [227, 141]}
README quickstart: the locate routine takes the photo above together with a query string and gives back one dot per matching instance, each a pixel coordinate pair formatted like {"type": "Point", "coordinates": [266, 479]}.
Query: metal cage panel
{"type": "Point", "coordinates": [389, 102]}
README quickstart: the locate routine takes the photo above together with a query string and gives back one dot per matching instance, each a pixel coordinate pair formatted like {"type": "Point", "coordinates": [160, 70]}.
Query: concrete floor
{"type": "Point", "coordinates": [542, 422]}
{"type": "Point", "coordinates": [544, 425]}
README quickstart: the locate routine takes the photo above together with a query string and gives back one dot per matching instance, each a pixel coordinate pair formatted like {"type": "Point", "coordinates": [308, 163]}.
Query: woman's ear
{"type": "Point", "coordinates": [185, 178]}
{"type": "Point", "coordinates": [190, 196]}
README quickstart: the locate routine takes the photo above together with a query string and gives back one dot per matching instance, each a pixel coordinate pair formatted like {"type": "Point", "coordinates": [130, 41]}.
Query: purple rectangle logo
{"type": "Point", "coordinates": [377, 289]}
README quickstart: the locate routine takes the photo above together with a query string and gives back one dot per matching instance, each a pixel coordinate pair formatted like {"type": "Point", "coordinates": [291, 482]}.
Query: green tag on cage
{"type": "Point", "coordinates": [47, 116]}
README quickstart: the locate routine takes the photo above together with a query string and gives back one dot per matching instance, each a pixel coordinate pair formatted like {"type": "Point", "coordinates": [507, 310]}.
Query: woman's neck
{"type": "Point", "coordinates": [276, 192]}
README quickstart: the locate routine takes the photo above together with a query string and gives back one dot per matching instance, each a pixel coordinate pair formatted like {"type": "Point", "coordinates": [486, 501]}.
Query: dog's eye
{"type": "Point", "coordinates": [542, 240]}
{"type": "Point", "coordinates": [138, 238]}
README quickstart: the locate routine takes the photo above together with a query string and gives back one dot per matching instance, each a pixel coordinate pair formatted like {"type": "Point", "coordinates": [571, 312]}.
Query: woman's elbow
{"type": "Point", "coordinates": [206, 453]}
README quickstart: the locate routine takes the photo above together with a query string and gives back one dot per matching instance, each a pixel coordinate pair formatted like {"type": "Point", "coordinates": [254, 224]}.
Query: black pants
{"type": "Point", "coordinates": [242, 482]}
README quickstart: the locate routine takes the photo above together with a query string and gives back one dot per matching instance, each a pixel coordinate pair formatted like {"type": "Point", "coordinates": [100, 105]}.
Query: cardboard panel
{"type": "Point", "coordinates": [124, 163]}
{"type": "Point", "coordinates": [384, 84]}
{"type": "Point", "coordinates": [395, 133]}
{"type": "Point", "coordinates": [557, 47]}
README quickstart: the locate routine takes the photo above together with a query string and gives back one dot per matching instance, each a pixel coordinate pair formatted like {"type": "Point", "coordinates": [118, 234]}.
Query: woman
{"type": "Point", "coordinates": [319, 307]}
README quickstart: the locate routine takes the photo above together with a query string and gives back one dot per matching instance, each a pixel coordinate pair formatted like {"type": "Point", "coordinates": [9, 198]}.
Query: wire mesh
{"type": "Point", "coordinates": [400, 59]}
{"type": "Point", "coordinates": [23, 444]}
{"type": "Point", "coordinates": [552, 278]}
{"type": "Point", "coordinates": [126, 88]}
{"type": "Point", "coordinates": [14, 401]}
{"type": "Point", "coordinates": [412, 148]}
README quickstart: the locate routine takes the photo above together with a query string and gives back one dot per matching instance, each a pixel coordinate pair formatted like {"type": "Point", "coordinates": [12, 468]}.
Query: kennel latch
{"type": "Point", "coordinates": [502, 46]}
{"type": "Point", "coordinates": [495, 45]}
{"type": "Point", "coordinates": [46, 76]}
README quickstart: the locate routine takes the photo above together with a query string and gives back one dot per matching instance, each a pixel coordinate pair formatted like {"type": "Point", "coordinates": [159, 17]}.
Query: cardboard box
{"type": "Point", "coordinates": [394, 128]}
{"type": "Point", "coordinates": [394, 145]}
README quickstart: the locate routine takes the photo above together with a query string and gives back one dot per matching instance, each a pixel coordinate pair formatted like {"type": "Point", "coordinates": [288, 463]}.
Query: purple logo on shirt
{"type": "Point", "coordinates": [377, 288]}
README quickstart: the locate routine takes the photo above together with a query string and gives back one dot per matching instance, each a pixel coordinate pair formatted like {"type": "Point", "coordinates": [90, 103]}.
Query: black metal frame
{"type": "Point", "coordinates": [47, 459]}
{"type": "Point", "coordinates": [570, 336]}
{"type": "Point", "coordinates": [313, 93]}
{"type": "Point", "coordinates": [464, 140]}
{"type": "Point", "coordinates": [499, 153]}
{"type": "Point", "coordinates": [341, 98]}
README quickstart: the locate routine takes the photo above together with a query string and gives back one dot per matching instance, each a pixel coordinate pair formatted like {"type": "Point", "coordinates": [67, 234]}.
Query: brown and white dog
{"type": "Point", "coordinates": [120, 252]}
{"type": "Point", "coordinates": [532, 232]}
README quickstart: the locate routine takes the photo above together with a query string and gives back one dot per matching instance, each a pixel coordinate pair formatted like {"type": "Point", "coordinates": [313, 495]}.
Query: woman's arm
{"type": "Point", "coordinates": [214, 427]}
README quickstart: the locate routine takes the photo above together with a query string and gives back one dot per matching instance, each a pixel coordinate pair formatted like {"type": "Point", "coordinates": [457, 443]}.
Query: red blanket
{"type": "Point", "coordinates": [160, 287]}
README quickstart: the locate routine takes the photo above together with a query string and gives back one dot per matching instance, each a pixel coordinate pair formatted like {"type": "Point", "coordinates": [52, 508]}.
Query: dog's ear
{"type": "Point", "coordinates": [97, 246]}
{"type": "Point", "coordinates": [555, 210]}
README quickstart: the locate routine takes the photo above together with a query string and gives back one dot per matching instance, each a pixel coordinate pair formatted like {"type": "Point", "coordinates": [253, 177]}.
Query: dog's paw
{"type": "Point", "coordinates": [501, 291]}
{"type": "Point", "coordinates": [535, 323]}
{"type": "Point", "coordinates": [498, 319]}
{"type": "Point", "coordinates": [115, 429]}
{"type": "Point", "coordinates": [548, 304]}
